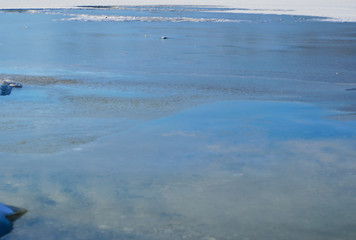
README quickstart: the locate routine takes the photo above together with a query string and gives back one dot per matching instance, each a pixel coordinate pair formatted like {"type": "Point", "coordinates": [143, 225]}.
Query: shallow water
{"type": "Point", "coordinates": [234, 127]}
{"type": "Point", "coordinates": [229, 170]}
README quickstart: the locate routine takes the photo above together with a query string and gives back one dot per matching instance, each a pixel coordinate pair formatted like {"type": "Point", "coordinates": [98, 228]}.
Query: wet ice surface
{"type": "Point", "coordinates": [229, 170]}
{"type": "Point", "coordinates": [239, 129]}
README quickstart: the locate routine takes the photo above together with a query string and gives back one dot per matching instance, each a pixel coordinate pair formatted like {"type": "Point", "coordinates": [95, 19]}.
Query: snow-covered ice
{"type": "Point", "coordinates": [341, 10]}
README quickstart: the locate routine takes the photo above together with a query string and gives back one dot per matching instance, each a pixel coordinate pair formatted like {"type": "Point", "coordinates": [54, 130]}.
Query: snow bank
{"type": "Point", "coordinates": [340, 10]}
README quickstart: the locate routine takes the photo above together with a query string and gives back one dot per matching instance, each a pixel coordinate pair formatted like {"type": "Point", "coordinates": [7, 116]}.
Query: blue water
{"type": "Point", "coordinates": [268, 46]}
{"type": "Point", "coordinates": [237, 126]}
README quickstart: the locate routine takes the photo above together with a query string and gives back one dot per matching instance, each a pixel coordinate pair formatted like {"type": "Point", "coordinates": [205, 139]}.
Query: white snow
{"type": "Point", "coordinates": [104, 18]}
{"type": "Point", "coordinates": [337, 10]}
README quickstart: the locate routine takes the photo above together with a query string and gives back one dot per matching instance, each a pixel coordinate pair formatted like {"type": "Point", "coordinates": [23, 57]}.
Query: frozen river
{"type": "Point", "coordinates": [237, 126]}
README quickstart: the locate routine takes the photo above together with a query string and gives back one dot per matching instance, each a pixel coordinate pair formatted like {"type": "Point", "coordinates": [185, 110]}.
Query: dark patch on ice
{"type": "Point", "coordinates": [351, 89]}
{"type": "Point", "coordinates": [27, 10]}
{"type": "Point", "coordinates": [5, 90]}
{"type": "Point", "coordinates": [97, 6]}
{"type": "Point", "coordinates": [169, 8]}
{"type": "Point", "coordinates": [16, 10]}
{"type": "Point", "coordinates": [46, 201]}
{"type": "Point", "coordinates": [40, 80]}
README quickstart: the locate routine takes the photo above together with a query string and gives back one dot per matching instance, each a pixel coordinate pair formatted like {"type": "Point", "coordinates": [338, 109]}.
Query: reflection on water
{"type": "Point", "coordinates": [222, 171]}
{"type": "Point", "coordinates": [224, 130]}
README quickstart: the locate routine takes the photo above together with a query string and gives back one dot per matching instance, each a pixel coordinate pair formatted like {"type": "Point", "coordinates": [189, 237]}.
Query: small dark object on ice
{"type": "Point", "coordinates": [11, 83]}
{"type": "Point", "coordinates": [163, 37]}
{"type": "Point", "coordinates": [8, 215]}
{"type": "Point", "coordinates": [6, 86]}
{"type": "Point", "coordinates": [5, 90]}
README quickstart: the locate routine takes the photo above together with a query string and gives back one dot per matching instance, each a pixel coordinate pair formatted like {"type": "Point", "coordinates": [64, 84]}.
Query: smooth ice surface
{"type": "Point", "coordinates": [237, 128]}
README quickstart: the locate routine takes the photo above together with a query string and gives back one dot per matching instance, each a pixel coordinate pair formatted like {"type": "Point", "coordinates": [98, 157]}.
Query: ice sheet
{"type": "Point", "coordinates": [336, 10]}
{"type": "Point", "coordinates": [224, 130]}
